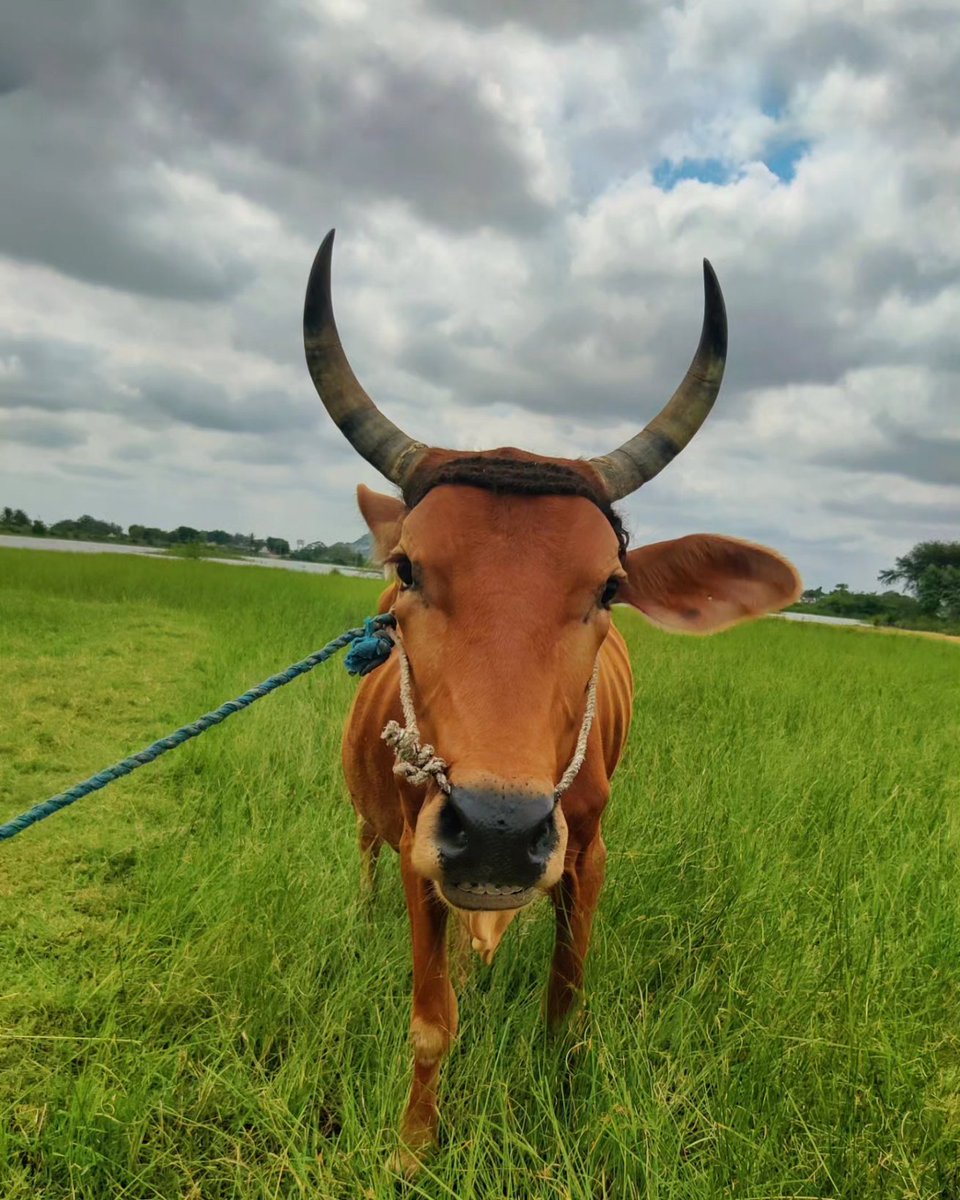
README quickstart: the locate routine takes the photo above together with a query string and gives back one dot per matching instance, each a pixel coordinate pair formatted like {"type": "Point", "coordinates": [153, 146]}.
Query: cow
{"type": "Point", "coordinates": [482, 751]}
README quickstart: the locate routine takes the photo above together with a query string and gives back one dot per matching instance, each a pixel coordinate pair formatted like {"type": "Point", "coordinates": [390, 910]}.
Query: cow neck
{"type": "Point", "coordinates": [418, 762]}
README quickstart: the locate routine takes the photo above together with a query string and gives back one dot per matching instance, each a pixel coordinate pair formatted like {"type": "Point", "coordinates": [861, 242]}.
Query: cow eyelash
{"type": "Point", "coordinates": [404, 570]}
{"type": "Point", "coordinates": [610, 590]}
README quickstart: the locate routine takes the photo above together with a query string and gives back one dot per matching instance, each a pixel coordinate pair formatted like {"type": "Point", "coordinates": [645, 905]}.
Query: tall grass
{"type": "Point", "coordinates": [194, 1005]}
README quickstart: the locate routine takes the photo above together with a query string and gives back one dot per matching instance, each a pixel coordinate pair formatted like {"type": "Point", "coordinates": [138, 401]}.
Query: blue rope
{"type": "Point", "coordinates": [371, 646]}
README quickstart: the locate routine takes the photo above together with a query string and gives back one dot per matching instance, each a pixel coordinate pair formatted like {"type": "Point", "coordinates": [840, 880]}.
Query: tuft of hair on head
{"type": "Point", "coordinates": [517, 477]}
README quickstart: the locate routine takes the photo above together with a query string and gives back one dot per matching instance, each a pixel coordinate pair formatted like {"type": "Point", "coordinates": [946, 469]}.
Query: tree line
{"type": "Point", "coordinates": [91, 529]}
{"type": "Point", "coordinates": [929, 573]}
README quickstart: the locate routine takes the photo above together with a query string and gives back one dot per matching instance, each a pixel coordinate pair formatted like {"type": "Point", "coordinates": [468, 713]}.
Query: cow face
{"type": "Point", "coordinates": [503, 603]}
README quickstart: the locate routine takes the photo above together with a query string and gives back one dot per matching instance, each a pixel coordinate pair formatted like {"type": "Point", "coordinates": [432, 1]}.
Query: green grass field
{"type": "Point", "coordinates": [194, 1005]}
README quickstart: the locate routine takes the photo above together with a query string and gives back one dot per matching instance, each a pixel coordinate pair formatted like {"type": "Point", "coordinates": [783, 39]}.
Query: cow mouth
{"type": "Point", "coordinates": [487, 896]}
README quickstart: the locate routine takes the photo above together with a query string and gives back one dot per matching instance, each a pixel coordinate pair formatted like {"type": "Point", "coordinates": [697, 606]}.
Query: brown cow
{"type": "Point", "coordinates": [505, 565]}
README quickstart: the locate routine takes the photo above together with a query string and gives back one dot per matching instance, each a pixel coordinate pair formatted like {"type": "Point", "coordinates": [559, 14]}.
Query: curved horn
{"type": "Point", "coordinates": [643, 456]}
{"type": "Point", "coordinates": [364, 426]}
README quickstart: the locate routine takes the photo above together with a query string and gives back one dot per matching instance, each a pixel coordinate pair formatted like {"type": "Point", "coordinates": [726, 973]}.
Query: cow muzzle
{"type": "Point", "coordinates": [497, 849]}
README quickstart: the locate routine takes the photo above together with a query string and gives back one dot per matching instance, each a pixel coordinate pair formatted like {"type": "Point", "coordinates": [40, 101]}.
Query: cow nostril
{"type": "Point", "coordinates": [542, 840]}
{"type": "Point", "coordinates": [452, 830]}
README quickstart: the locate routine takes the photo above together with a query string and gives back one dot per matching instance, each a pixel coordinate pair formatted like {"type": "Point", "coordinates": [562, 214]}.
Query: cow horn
{"type": "Point", "coordinates": [371, 434]}
{"type": "Point", "coordinates": [643, 456]}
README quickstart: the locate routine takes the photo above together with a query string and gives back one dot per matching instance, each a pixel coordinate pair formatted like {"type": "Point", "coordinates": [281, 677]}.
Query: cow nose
{"type": "Point", "coordinates": [495, 838]}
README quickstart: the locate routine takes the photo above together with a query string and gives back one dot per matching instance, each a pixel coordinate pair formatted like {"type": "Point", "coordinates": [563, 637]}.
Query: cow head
{"type": "Point", "coordinates": [505, 566]}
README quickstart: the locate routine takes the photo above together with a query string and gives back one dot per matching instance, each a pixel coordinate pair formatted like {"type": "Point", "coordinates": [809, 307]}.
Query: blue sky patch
{"type": "Point", "coordinates": [782, 157]}
{"type": "Point", "coordinates": [779, 156]}
{"type": "Point", "coordinates": [667, 173]}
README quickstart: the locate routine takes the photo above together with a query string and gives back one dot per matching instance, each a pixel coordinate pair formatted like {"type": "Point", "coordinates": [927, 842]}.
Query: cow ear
{"type": "Point", "coordinates": [702, 583]}
{"type": "Point", "coordinates": [384, 516]}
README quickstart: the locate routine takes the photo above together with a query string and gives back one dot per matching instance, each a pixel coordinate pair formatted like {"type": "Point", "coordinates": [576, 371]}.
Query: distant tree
{"type": "Point", "coordinates": [938, 593]}
{"type": "Point", "coordinates": [97, 528]}
{"type": "Point", "coordinates": [149, 535]}
{"type": "Point", "coordinates": [185, 533]}
{"type": "Point", "coordinates": [910, 568]}
{"type": "Point", "coordinates": [38, 528]}
{"type": "Point", "coordinates": [219, 537]}
{"type": "Point", "coordinates": [14, 518]}
{"type": "Point", "coordinates": [340, 552]}
{"type": "Point", "coordinates": [841, 587]}
{"type": "Point", "coordinates": [950, 593]}
{"type": "Point", "coordinates": [930, 591]}
{"type": "Point", "coordinates": [278, 545]}
{"type": "Point", "coordinates": [86, 527]}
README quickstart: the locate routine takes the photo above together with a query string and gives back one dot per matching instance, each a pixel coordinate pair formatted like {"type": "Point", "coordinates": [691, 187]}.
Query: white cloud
{"type": "Point", "coordinates": [508, 270]}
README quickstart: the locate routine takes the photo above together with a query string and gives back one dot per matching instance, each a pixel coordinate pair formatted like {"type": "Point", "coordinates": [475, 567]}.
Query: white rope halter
{"type": "Point", "coordinates": [419, 763]}
{"type": "Point", "coordinates": [415, 763]}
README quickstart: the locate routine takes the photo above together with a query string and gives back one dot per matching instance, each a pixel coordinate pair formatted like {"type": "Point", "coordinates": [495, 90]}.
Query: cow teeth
{"type": "Point", "coordinates": [490, 889]}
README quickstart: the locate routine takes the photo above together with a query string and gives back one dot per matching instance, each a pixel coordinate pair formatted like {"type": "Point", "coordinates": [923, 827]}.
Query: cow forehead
{"type": "Point", "coordinates": [455, 524]}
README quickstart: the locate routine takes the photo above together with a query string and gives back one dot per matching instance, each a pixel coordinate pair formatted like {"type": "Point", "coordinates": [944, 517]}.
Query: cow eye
{"type": "Point", "coordinates": [610, 589]}
{"type": "Point", "coordinates": [404, 568]}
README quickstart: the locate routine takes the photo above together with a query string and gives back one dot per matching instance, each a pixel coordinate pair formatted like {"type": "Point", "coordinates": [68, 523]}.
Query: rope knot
{"type": "Point", "coordinates": [371, 648]}
{"type": "Point", "coordinates": [415, 763]}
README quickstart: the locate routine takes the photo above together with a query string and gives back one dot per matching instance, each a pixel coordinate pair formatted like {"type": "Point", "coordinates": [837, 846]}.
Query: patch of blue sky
{"type": "Point", "coordinates": [667, 173]}
{"type": "Point", "coordinates": [782, 157]}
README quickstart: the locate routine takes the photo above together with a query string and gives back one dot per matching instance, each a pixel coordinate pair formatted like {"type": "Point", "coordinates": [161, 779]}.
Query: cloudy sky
{"type": "Point", "coordinates": [523, 191]}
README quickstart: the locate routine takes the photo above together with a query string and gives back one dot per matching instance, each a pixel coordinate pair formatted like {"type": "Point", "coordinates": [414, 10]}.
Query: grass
{"type": "Point", "coordinates": [193, 1005]}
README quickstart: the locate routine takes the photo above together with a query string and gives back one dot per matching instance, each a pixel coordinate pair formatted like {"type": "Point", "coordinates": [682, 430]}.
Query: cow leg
{"type": "Point", "coordinates": [371, 843]}
{"type": "Point", "coordinates": [575, 901]}
{"type": "Point", "coordinates": [433, 1024]}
